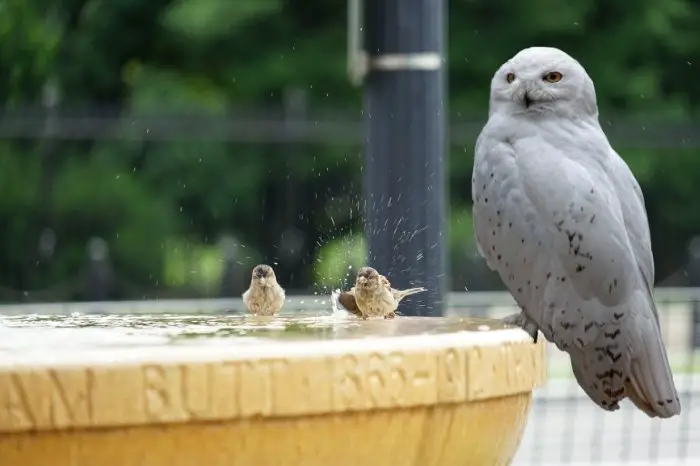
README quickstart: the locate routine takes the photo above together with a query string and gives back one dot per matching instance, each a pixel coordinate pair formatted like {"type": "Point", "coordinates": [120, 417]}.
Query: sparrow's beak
{"type": "Point", "coordinates": [262, 280]}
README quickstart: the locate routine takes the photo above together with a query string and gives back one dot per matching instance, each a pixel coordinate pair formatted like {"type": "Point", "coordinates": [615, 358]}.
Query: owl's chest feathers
{"type": "Point", "coordinates": [518, 239]}
{"type": "Point", "coordinates": [507, 225]}
{"type": "Point", "coordinates": [527, 136]}
{"type": "Point", "coordinates": [515, 153]}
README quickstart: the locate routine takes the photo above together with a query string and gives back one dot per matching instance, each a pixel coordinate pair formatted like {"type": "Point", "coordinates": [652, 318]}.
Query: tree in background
{"type": "Point", "coordinates": [163, 205]}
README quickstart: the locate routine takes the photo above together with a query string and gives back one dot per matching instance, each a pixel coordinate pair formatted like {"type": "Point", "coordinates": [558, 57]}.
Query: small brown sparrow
{"type": "Point", "coordinates": [373, 296]}
{"type": "Point", "coordinates": [264, 297]}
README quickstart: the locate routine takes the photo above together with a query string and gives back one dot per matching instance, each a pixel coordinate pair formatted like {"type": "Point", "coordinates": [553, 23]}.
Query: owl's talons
{"type": "Point", "coordinates": [522, 321]}
{"type": "Point", "coordinates": [391, 315]}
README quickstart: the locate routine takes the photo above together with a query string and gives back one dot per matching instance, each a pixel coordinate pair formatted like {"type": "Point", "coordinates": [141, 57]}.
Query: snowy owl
{"type": "Point", "coordinates": [561, 218]}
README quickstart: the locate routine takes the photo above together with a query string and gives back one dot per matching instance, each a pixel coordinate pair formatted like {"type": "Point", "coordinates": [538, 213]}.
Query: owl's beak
{"type": "Point", "coordinates": [527, 100]}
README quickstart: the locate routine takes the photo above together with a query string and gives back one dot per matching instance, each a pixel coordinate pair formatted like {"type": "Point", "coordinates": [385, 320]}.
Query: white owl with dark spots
{"type": "Point", "coordinates": [561, 218]}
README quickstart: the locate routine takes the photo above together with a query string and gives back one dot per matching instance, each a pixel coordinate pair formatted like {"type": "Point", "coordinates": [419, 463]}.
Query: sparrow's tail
{"type": "Point", "coordinates": [400, 294]}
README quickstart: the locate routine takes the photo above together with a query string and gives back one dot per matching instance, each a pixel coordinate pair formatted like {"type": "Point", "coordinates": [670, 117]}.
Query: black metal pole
{"type": "Point", "coordinates": [405, 183]}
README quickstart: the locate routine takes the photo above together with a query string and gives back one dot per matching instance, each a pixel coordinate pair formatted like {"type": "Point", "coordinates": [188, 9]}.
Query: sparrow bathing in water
{"type": "Point", "coordinates": [373, 296]}
{"type": "Point", "coordinates": [264, 297]}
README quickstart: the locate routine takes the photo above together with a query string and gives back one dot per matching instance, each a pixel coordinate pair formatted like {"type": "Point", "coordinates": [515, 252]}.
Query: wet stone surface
{"type": "Point", "coordinates": [36, 332]}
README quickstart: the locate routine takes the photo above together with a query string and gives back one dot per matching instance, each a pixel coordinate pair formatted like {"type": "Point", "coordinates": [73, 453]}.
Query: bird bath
{"type": "Point", "coordinates": [296, 389]}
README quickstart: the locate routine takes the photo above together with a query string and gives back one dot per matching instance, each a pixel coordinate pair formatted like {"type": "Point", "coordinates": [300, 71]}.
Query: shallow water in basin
{"type": "Point", "coordinates": [20, 333]}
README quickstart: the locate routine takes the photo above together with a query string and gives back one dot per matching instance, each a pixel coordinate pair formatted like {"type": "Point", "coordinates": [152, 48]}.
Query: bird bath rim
{"type": "Point", "coordinates": [350, 335]}
{"type": "Point", "coordinates": [460, 392]}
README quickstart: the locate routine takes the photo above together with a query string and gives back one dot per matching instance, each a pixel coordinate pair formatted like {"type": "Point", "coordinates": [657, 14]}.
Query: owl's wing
{"type": "Point", "coordinates": [578, 202]}
{"type": "Point", "coordinates": [634, 212]}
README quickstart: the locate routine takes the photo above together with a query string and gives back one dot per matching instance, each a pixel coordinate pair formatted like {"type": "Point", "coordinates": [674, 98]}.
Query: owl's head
{"type": "Point", "coordinates": [541, 81]}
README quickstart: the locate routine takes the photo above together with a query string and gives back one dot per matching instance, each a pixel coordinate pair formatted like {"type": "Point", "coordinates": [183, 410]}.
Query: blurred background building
{"type": "Point", "coordinates": [160, 149]}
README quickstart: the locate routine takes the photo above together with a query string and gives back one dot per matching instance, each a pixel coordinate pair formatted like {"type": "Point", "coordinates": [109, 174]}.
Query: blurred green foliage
{"type": "Point", "coordinates": [207, 57]}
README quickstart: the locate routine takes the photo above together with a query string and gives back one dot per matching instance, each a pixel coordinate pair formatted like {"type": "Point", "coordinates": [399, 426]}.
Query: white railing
{"type": "Point", "coordinates": [457, 301]}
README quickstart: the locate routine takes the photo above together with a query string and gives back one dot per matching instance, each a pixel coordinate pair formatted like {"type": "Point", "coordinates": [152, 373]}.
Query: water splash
{"type": "Point", "coordinates": [338, 311]}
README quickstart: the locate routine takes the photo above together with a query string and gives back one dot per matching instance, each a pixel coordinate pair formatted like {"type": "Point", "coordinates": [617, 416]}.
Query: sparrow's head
{"type": "Point", "coordinates": [367, 277]}
{"type": "Point", "coordinates": [263, 275]}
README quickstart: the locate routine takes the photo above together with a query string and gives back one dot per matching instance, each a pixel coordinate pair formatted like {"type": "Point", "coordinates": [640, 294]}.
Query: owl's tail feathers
{"type": "Point", "coordinates": [631, 390]}
{"type": "Point", "coordinates": [400, 294]}
{"type": "Point", "coordinates": [650, 386]}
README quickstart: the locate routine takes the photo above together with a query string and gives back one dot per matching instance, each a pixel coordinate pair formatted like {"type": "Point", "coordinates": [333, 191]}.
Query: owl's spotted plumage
{"type": "Point", "coordinates": [560, 217]}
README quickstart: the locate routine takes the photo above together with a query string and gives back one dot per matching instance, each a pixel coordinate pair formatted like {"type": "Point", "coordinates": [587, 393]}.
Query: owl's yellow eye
{"type": "Point", "coordinates": [510, 77]}
{"type": "Point", "coordinates": [552, 77]}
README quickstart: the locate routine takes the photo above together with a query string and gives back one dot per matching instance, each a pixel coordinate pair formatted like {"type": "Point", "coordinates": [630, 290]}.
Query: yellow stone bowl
{"type": "Point", "coordinates": [290, 391]}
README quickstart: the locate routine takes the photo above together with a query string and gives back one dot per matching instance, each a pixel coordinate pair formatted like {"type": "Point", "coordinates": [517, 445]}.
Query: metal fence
{"type": "Point", "coordinates": [564, 427]}
{"type": "Point", "coordinates": [293, 122]}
